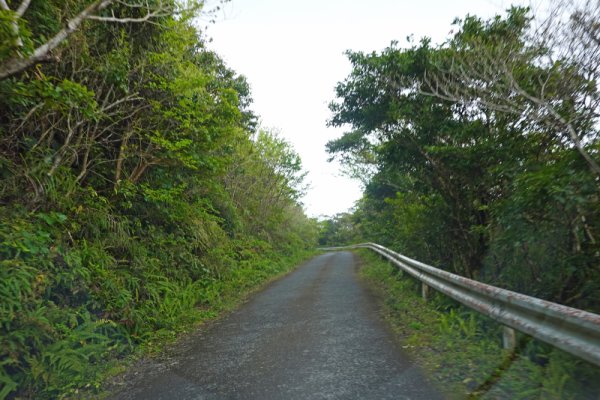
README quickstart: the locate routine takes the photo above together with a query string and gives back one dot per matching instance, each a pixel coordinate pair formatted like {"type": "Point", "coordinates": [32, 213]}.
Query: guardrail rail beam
{"type": "Point", "coordinates": [572, 330]}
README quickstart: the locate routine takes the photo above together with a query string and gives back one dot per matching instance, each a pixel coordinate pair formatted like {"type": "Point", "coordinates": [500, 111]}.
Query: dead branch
{"type": "Point", "coordinates": [42, 53]}
{"type": "Point", "coordinates": [484, 76]}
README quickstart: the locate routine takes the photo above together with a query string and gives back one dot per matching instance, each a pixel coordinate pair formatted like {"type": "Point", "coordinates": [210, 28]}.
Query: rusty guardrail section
{"type": "Point", "coordinates": [572, 330]}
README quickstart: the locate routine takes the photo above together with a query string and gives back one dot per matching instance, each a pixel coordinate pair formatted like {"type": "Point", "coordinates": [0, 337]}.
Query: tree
{"type": "Point", "coordinates": [24, 50]}
{"type": "Point", "coordinates": [471, 174]}
{"type": "Point", "coordinates": [266, 181]}
{"type": "Point", "coordinates": [338, 230]}
{"type": "Point", "coordinates": [420, 145]}
{"type": "Point", "coordinates": [546, 75]}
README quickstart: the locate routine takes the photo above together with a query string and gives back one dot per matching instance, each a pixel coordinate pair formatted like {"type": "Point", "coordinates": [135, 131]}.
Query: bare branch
{"type": "Point", "coordinates": [17, 64]}
{"type": "Point", "coordinates": [14, 25]}
{"type": "Point", "coordinates": [22, 8]}
{"type": "Point", "coordinates": [562, 60]}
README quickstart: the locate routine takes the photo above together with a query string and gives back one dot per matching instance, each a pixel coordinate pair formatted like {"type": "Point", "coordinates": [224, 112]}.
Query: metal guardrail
{"type": "Point", "coordinates": [572, 330]}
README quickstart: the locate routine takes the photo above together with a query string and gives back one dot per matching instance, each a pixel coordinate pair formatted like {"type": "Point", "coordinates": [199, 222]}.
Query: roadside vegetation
{"type": "Point", "coordinates": [462, 350]}
{"type": "Point", "coordinates": [137, 194]}
{"type": "Point", "coordinates": [480, 156]}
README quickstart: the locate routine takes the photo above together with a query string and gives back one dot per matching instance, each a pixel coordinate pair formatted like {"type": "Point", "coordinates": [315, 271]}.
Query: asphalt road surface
{"type": "Point", "coordinates": [314, 334]}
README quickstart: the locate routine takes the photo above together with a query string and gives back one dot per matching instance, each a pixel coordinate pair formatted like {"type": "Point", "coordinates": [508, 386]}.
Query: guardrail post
{"type": "Point", "coordinates": [424, 291]}
{"type": "Point", "coordinates": [509, 338]}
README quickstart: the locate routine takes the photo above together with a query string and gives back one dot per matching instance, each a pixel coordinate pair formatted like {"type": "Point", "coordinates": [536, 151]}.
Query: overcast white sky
{"type": "Point", "coordinates": [291, 52]}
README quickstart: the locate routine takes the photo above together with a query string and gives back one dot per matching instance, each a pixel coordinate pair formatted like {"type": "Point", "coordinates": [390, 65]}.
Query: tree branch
{"type": "Point", "coordinates": [19, 63]}
{"type": "Point", "coordinates": [14, 25]}
{"type": "Point", "coordinates": [22, 8]}
{"type": "Point", "coordinates": [15, 65]}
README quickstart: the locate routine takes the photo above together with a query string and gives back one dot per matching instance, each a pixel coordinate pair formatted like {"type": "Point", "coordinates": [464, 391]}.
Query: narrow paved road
{"type": "Point", "coordinates": [314, 334]}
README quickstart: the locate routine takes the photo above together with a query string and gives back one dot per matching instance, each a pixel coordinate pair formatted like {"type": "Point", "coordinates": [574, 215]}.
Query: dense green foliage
{"type": "Point", "coordinates": [337, 230]}
{"type": "Point", "coordinates": [478, 156]}
{"type": "Point", "coordinates": [462, 351]}
{"type": "Point", "coordinates": [465, 183]}
{"type": "Point", "coordinates": [135, 192]}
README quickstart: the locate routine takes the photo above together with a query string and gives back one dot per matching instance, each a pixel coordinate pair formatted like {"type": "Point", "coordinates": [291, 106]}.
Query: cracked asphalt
{"type": "Point", "coordinates": [314, 334]}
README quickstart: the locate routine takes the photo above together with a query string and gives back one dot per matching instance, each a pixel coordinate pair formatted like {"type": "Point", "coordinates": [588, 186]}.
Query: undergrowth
{"type": "Point", "coordinates": [462, 350]}
{"type": "Point", "coordinates": [75, 304]}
